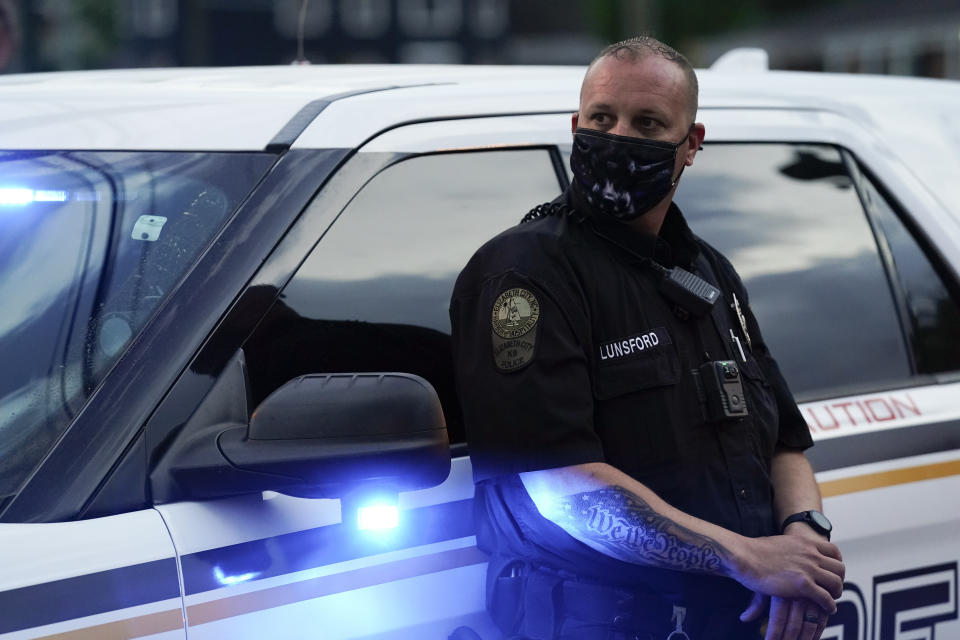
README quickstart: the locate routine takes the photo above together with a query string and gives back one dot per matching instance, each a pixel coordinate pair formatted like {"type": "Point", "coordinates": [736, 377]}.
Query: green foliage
{"type": "Point", "coordinates": [101, 21]}
{"type": "Point", "coordinates": [691, 18]}
{"type": "Point", "coordinates": [606, 20]}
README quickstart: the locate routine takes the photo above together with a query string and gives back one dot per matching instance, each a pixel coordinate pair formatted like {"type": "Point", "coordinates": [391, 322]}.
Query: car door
{"type": "Point", "coordinates": [115, 267]}
{"type": "Point", "coordinates": [362, 283]}
{"type": "Point", "coordinates": [111, 577]}
{"type": "Point", "coordinates": [852, 284]}
{"type": "Point", "coordinates": [91, 243]}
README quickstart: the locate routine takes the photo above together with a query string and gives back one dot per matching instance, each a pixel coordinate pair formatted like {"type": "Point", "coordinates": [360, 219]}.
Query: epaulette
{"type": "Point", "coordinates": [557, 209]}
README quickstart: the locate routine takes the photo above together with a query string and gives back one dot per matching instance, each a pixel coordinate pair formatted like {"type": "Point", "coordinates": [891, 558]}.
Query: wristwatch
{"type": "Point", "coordinates": [816, 520]}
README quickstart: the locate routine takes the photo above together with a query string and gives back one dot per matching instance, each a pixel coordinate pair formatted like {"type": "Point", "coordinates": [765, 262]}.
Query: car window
{"type": "Point", "coordinates": [789, 219]}
{"type": "Point", "coordinates": [934, 317]}
{"type": "Point", "coordinates": [90, 244]}
{"type": "Point", "coordinates": [375, 292]}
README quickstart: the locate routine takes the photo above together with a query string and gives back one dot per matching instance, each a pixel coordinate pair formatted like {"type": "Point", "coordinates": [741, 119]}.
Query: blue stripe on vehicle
{"type": "Point", "coordinates": [139, 584]}
{"type": "Point", "coordinates": [311, 548]}
{"type": "Point", "coordinates": [88, 595]}
{"type": "Point", "coordinates": [880, 446]}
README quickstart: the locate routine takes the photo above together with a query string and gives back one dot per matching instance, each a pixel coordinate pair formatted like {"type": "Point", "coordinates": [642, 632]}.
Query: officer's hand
{"type": "Point", "coordinates": [788, 618]}
{"type": "Point", "coordinates": [792, 566]}
{"type": "Point", "coordinates": [795, 619]}
{"type": "Point", "coordinates": [756, 607]}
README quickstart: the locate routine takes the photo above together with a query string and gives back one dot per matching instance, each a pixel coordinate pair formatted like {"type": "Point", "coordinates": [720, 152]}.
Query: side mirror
{"type": "Point", "coordinates": [318, 436]}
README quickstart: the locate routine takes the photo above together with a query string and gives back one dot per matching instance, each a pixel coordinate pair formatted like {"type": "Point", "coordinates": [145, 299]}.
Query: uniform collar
{"type": "Point", "coordinates": [674, 246]}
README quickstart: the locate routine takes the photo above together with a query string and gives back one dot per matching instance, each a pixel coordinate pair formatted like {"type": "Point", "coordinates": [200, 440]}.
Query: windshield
{"type": "Point", "coordinates": [90, 244]}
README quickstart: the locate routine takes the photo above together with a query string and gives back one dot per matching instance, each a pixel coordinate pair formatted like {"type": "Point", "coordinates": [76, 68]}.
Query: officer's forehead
{"type": "Point", "coordinates": [619, 76]}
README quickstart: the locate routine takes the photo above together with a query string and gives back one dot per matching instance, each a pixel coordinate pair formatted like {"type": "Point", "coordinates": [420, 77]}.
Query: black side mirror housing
{"type": "Point", "coordinates": [318, 436]}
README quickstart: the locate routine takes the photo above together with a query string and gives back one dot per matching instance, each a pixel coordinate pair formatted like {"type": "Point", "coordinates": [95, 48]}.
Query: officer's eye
{"type": "Point", "coordinates": [601, 118]}
{"type": "Point", "coordinates": [648, 123]}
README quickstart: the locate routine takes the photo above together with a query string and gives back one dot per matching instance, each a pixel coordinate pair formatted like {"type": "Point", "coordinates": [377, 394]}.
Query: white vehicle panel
{"type": "Point", "coordinates": [279, 565]}
{"type": "Point", "coordinates": [475, 133]}
{"type": "Point", "coordinates": [229, 108]}
{"type": "Point", "coordinates": [383, 594]}
{"type": "Point", "coordinates": [352, 121]}
{"type": "Point", "coordinates": [881, 411]}
{"type": "Point", "coordinates": [199, 526]}
{"type": "Point", "coordinates": [159, 122]}
{"type": "Point", "coordinates": [82, 547]}
{"type": "Point", "coordinates": [858, 499]}
{"type": "Point", "coordinates": [77, 577]}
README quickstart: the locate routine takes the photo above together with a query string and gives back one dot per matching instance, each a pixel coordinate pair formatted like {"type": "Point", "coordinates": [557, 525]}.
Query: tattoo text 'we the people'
{"type": "Point", "coordinates": [630, 528]}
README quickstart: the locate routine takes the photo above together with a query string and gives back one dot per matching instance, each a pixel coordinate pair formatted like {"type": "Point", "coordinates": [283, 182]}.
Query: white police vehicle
{"type": "Point", "coordinates": [177, 245]}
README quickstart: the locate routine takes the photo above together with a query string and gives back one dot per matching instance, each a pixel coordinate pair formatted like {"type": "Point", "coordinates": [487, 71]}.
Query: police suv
{"type": "Point", "coordinates": [226, 386]}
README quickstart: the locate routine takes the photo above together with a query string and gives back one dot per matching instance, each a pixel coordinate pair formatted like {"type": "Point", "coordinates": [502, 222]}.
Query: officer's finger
{"type": "Point", "coordinates": [779, 610]}
{"type": "Point", "coordinates": [811, 627]}
{"type": "Point", "coordinates": [755, 609]}
{"type": "Point", "coordinates": [832, 583]}
{"type": "Point", "coordinates": [822, 598]}
{"type": "Point", "coordinates": [821, 627]}
{"type": "Point", "coordinates": [834, 566]}
{"type": "Point", "coordinates": [829, 549]}
{"type": "Point", "coordinates": [794, 626]}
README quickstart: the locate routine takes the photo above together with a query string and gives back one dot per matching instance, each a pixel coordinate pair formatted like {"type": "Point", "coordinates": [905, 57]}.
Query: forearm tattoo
{"type": "Point", "coordinates": [624, 524]}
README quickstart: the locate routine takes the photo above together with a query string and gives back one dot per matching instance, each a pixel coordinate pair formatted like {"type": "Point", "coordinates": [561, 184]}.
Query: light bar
{"type": "Point", "coordinates": [50, 196]}
{"type": "Point", "coordinates": [10, 196]}
{"type": "Point", "coordinates": [18, 196]}
{"type": "Point", "coordinates": [378, 517]}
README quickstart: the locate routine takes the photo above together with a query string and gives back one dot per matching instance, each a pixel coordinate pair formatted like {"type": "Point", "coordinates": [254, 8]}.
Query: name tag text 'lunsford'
{"type": "Point", "coordinates": [626, 347]}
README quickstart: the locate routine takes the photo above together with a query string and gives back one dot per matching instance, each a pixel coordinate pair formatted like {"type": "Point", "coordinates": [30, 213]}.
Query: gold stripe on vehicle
{"type": "Point", "coordinates": [889, 478]}
{"type": "Point", "coordinates": [328, 585]}
{"type": "Point", "coordinates": [408, 568]}
{"type": "Point", "coordinates": [137, 627]}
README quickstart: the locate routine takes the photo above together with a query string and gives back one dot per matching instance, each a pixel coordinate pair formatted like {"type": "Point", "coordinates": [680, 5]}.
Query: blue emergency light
{"type": "Point", "coordinates": [13, 196]}
{"type": "Point", "coordinates": [379, 516]}
{"type": "Point", "coordinates": [50, 196]}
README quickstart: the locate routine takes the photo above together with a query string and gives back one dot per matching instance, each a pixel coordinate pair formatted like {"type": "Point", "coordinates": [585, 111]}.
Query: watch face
{"type": "Point", "coordinates": [820, 520]}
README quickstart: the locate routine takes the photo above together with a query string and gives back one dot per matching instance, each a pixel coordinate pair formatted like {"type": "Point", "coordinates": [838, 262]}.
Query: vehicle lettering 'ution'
{"type": "Point", "coordinates": [828, 416]}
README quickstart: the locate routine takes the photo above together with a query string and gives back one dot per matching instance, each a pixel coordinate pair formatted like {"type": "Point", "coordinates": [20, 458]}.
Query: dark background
{"type": "Point", "coordinates": [921, 37]}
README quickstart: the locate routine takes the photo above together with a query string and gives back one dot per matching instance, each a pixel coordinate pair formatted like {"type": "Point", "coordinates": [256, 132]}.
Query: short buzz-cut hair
{"type": "Point", "coordinates": [640, 47]}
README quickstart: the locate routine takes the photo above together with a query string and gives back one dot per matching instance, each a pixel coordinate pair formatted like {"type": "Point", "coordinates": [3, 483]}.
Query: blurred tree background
{"type": "Point", "coordinates": [683, 21]}
{"type": "Point", "coordinates": [881, 36]}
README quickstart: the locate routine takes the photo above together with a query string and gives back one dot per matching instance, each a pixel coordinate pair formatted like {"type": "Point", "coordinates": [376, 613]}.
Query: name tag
{"type": "Point", "coordinates": [633, 346]}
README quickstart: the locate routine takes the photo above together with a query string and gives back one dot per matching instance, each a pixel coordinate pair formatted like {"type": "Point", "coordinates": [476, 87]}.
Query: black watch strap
{"type": "Point", "coordinates": [812, 518]}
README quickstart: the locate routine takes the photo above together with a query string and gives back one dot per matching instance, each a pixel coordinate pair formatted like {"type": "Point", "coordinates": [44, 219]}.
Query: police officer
{"type": "Point", "coordinates": [637, 455]}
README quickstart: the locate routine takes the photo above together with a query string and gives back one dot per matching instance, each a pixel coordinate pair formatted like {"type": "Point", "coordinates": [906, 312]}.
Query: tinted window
{"type": "Point", "coordinates": [789, 219]}
{"type": "Point", "coordinates": [934, 319]}
{"type": "Point", "coordinates": [90, 244]}
{"type": "Point", "coordinates": [374, 294]}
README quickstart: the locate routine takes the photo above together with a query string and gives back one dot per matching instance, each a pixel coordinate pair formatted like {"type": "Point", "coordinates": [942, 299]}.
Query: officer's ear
{"type": "Point", "coordinates": [573, 121]}
{"type": "Point", "coordinates": [697, 133]}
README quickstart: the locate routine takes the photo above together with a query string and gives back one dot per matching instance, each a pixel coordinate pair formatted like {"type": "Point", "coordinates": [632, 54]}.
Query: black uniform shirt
{"type": "Point", "coordinates": [566, 353]}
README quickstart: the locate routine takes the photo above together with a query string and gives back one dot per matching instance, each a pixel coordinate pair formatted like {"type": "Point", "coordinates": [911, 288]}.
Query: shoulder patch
{"type": "Point", "coordinates": [515, 312]}
{"type": "Point", "coordinates": [514, 321]}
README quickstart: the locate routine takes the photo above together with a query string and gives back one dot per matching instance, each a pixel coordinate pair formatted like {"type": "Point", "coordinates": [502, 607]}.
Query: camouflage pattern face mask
{"type": "Point", "coordinates": [620, 176]}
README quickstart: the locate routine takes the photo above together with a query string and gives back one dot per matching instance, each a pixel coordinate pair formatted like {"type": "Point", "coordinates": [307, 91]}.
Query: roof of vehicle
{"type": "Point", "coordinates": [324, 106]}
{"type": "Point", "coordinates": [229, 108]}
{"type": "Point", "coordinates": [236, 108]}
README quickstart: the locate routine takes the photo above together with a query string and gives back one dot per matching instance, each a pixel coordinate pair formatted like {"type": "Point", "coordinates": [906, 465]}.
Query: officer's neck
{"type": "Point", "coordinates": [651, 222]}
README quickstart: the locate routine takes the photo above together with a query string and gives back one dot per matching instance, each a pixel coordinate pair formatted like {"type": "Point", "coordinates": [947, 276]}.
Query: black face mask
{"type": "Point", "coordinates": [620, 176]}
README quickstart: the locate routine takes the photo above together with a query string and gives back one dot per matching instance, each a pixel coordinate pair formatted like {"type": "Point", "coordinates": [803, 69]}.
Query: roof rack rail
{"type": "Point", "coordinates": [749, 59]}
